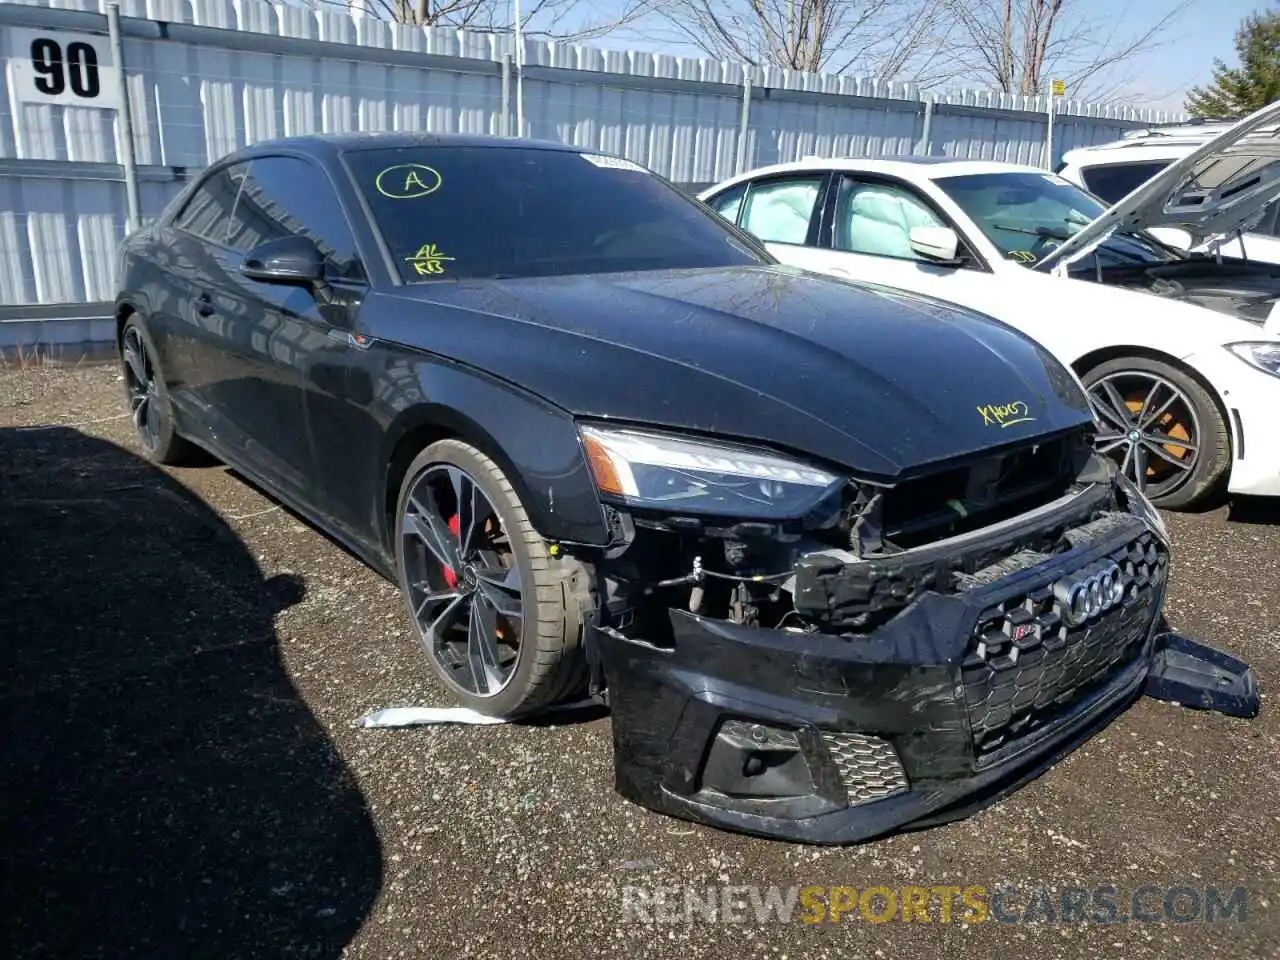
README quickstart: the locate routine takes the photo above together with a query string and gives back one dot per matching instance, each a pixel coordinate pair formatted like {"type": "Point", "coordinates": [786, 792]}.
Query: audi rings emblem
{"type": "Point", "coordinates": [1089, 592]}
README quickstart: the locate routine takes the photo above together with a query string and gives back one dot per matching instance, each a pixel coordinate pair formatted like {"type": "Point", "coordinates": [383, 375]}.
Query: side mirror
{"type": "Point", "coordinates": [293, 260]}
{"type": "Point", "coordinates": [935, 243]}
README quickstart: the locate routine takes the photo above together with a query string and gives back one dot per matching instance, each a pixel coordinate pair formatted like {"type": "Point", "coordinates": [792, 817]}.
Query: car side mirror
{"type": "Point", "coordinates": [935, 243]}
{"type": "Point", "coordinates": [291, 260]}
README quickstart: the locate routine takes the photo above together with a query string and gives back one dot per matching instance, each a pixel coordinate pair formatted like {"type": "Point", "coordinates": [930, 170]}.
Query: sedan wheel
{"type": "Point", "coordinates": [148, 398]}
{"type": "Point", "coordinates": [464, 581]}
{"type": "Point", "coordinates": [141, 386]}
{"type": "Point", "coordinates": [494, 611]}
{"type": "Point", "coordinates": [1161, 427]}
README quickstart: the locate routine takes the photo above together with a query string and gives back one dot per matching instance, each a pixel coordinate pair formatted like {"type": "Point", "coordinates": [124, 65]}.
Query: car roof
{"type": "Point", "coordinates": [1166, 142]}
{"type": "Point", "coordinates": [907, 167]}
{"type": "Point", "coordinates": [319, 144]}
{"type": "Point", "coordinates": [1131, 152]}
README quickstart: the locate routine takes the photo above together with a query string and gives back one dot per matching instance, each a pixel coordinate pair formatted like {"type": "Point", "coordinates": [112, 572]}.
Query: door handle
{"type": "Point", "coordinates": [204, 305]}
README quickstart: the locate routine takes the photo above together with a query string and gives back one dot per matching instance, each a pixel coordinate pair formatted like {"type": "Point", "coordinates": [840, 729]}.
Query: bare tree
{"type": "Point", "coordinates": [1019, 45]}
{"type": "Point", "coordinates": [889, 39]}
{"type": "Point", "coordinates": [544, 19]}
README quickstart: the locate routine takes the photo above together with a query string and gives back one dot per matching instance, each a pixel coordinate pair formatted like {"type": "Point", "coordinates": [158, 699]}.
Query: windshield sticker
{"type": "Point", "coordinates": [1022, 256]}
{"type": "Point", "coordinates": [612, 163]}
{"type": "Point", "coordinates": [408, 181]}
{"type": "Point", "coordinates": [1005, 414]}
{"type": "Point", "coordinates": [429, 260]}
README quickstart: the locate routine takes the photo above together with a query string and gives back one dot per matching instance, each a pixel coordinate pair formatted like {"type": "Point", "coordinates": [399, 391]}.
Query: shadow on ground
{"type": "Point", "coordinates": [1263, 510]}
{"type": "Point", "coordinates": [164, 791]}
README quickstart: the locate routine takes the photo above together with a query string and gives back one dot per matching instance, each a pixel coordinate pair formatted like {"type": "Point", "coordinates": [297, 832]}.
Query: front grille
{"type": "Point", "coordinates": [1032, 657]}
{"type": "Point", "coordinates": [869, 766]}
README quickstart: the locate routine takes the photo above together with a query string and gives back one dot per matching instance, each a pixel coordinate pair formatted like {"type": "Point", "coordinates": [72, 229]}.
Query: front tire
{"type": "Point", "coordinates": [1162, 427]}
{"type": "Point", "coordinates": [499, 618]}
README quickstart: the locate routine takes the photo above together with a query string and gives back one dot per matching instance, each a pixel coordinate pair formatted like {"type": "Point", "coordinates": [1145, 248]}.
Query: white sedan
{"type": "Point", "coordinates": [1180, 354]}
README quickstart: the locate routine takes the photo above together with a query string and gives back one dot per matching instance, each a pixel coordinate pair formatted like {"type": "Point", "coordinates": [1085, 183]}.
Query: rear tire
{"type": "Point", "coordinates": [500, 571]}
{"type": "Point", "coordinates": [148, 398]}
{"type": "Point", "coordinates": [1141, 401]}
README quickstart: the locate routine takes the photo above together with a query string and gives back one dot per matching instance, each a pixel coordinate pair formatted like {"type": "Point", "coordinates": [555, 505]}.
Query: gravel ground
{"type": "Point", "coordinates": [183, 663]}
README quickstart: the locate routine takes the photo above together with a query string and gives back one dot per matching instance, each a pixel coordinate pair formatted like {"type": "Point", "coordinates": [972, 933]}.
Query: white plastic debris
{"type": "Point", "coordinates": [436, 716]}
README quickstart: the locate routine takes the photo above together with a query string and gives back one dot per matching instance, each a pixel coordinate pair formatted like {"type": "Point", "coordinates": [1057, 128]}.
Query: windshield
{"type": "Point", "coordinates": [456, 212]}
{"type": "Point", "coordinates": [1026, 215]}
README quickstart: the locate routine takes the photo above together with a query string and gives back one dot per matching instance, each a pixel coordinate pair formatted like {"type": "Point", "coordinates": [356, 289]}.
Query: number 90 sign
{"type": "Point", "coordinates": [73, 69]}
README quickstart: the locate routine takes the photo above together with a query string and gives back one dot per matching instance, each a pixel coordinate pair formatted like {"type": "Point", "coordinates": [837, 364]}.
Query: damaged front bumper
{"type": "Point", "coordinates": [834, 738]}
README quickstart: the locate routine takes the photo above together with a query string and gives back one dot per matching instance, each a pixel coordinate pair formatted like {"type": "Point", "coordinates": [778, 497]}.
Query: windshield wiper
{"type": "Point", "coordinates": [1044, 233]}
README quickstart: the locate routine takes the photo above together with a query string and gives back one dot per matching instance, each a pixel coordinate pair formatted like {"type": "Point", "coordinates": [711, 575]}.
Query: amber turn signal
{"type": "Point", "coordinates": [602, 467]}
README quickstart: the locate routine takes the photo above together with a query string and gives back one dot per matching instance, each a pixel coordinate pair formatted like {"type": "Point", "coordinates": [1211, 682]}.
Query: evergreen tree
{"type": "Point", "coordinates": [1236, 91]}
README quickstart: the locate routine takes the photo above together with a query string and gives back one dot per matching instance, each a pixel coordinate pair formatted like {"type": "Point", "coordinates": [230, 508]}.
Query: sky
{"type": "Point", "coordinates": [1163, 75]}
{"type": "Point", "coordinates": [1206, 31]}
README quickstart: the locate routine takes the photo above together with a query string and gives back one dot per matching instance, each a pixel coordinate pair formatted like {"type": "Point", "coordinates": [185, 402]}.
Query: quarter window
{"type": "Point", "coordinates": [208, 213]}
{"type": "Point", "coordinates": [876, 219]}
{"type": "Point", "coordinates": [780, 211]}
{"type": "Point", "coordinates": [284, 196]}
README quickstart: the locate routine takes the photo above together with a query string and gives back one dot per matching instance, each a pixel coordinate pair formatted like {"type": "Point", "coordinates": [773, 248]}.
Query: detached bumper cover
{"type": "Point", "coordinates": [1197, 676]}
{"type": "Point", "coordinates": [836, 739]}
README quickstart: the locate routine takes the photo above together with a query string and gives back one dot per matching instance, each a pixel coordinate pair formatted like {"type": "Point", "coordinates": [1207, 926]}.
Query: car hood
{"type": "Point", "coordinates": [1211, 193]}
{"type": "Point", "coordinates": [880, 381]}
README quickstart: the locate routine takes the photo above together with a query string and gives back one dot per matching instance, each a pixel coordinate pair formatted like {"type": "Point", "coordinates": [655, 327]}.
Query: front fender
{"type": "Point", "coordinates": [535, 443]}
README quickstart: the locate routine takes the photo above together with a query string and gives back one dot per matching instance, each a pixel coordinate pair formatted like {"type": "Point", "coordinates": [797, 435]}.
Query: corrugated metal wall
{"type": "Point", "coordinates": [207, 76]}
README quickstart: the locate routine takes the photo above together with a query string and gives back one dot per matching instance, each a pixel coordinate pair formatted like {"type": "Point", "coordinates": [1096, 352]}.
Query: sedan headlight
{"type": "Point", "coordinates": [685, 475]}
{"type": "Point", "coordinates": [1264, 354]}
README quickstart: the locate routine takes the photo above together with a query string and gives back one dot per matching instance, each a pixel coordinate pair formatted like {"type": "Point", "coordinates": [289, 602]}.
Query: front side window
{"type": "Point", "coordinates": [207, 214]}
{"type": "Point", "coordinates": [456, 212]}
{"type": "Point", "coordinates": [1027, 215]}
{"type": "Point", "coordinates": [877, 219]}
{"type": "Point", "coordinates": [1114, 181]}
{"type": "Point", "coordinates": [283, 196]}
{"type": "Point", "coordinates": [780, 210]}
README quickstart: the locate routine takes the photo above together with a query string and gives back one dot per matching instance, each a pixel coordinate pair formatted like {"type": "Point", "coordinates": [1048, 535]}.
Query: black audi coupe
{"type": "Point", "coordinates": [838, 558]}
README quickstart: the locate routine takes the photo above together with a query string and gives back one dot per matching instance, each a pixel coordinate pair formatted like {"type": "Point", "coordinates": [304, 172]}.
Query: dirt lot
{"type": "Point", "coordinates": [183, 662]}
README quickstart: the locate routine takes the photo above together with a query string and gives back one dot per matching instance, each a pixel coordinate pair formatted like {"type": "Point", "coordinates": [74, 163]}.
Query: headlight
{"type": "Point", "coordinates": [695, 476]}
{"type": "Point", "coordinates": [1264, 354]}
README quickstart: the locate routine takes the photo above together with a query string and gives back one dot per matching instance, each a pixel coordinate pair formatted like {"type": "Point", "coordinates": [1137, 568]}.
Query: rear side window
{"type": "Point", "coordinates": [207, 214]}
{"type": "Point", "coordinates": [780, 211]}
{"type": "Point", "coordinates": [283, 196]}
{"type": "Point", "coordinates": [1112, 182]}
{"type": "Point", "coordinates": [454, 212]}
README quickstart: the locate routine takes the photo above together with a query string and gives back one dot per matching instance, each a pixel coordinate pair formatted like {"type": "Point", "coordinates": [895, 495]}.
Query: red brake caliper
{"type": "Point", "coordinates": [450, 577]}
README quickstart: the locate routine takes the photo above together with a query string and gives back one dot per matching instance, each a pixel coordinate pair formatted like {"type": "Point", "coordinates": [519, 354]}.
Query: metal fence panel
{"type": "Point", "coordinates": [208, 76]}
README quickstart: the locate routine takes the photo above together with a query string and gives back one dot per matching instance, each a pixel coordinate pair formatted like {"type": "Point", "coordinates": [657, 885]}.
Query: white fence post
{"type": "Point", "coordinates": [124, 125]}
{"type": "Point", "coordinates": [744, 122]}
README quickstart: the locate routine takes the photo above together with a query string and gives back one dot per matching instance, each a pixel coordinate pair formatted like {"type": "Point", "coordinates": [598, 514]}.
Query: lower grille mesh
{"type": "Point", "coordinates": [1028, 662]}
{"type": "Point", "coordinates": [868, 766]}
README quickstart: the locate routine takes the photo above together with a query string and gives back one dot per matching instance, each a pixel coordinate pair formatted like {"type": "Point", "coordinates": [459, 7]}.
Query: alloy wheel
{"type": "Point", "coordinates": [463, 579]}
{"type": "Point", "coordinates": [1149, 427]}
{"type": "Point", "coordinates": [140, 380]}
